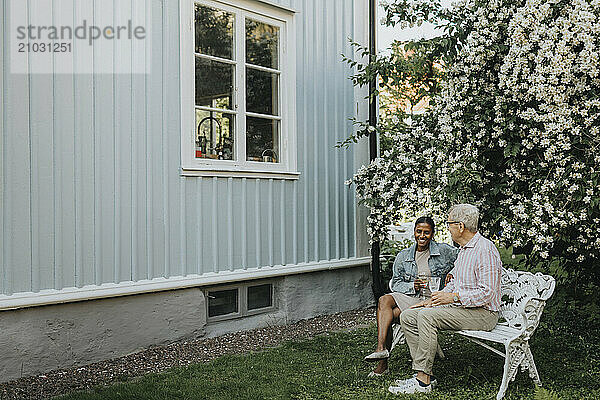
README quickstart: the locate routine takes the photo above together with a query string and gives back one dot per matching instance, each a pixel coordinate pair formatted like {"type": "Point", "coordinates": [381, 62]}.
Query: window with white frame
{"type": "Point", "coordinates": [240, 300]}
{"type": "Point", "coordinates": [242, 102]}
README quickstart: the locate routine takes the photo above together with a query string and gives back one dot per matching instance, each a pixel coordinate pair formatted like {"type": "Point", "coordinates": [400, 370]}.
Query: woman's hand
{"type": "Point", "coordinates": [419, 284]}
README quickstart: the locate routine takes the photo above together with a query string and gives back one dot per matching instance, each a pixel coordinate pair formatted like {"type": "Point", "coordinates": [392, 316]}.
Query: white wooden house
{"type": "Point", "coordinates": [174, 178]}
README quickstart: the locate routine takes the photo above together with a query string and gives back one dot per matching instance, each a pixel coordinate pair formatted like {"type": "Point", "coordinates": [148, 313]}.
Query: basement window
{"type": "Point", "coordinates": [228, 302]}
{"type": "Point", "coordinates": [223, 302]}
{"type": "Point", "coordinates": [260, 296]}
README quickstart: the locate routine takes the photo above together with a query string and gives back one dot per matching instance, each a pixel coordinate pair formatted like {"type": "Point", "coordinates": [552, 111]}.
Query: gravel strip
{"type": "Point", "coordinates": [160, 358]}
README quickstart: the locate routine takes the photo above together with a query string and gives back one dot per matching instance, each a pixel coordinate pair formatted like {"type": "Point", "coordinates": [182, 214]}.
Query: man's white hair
{"type": "Point", "coordinates": [468, 214]}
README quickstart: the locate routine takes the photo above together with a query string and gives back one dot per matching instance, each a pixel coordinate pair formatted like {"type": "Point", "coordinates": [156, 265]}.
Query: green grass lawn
{"type": "Point", "coordinates": [331, 367]}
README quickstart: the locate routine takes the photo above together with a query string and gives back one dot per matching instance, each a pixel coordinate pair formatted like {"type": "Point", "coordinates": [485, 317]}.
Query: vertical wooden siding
{"type": "Point", "coordinates": [90, 185]}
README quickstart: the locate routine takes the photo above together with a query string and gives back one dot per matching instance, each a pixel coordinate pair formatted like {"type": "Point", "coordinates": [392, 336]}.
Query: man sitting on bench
{"type": "Point", "coordinates": [470, 300]}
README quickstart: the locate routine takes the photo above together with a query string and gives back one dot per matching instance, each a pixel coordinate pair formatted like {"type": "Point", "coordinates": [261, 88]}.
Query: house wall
{"type": "Point", "coordinates": [93, 204]}
{"type": "Point", "coordinates": [39, 339]}
{"type": "Point", "coordinates": [91, 191]}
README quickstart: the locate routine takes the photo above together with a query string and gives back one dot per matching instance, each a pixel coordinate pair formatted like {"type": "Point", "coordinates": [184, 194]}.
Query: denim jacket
{"type": "Point", "coordinates": [441, 261]}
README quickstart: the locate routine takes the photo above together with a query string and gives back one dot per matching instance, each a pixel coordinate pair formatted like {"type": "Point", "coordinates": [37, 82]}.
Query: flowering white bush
{"type": "Point", "coordinates": [515, 130]}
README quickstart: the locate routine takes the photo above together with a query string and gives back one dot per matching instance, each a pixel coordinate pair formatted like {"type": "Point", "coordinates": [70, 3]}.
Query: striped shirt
{"type": "Point", "coordinates": [476, 274]}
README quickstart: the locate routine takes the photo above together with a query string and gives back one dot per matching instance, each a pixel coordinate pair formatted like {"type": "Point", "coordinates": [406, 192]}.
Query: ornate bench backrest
{"type": "Point", "coordinates": [523, 296]}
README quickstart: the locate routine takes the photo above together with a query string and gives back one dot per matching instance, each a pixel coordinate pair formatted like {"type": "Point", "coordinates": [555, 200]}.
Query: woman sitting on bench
{"type": "Point", "coordinates": [412, 270]}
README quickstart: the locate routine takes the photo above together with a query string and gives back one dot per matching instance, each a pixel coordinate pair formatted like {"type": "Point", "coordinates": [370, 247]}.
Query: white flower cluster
{"type": "Point", "coordinates": [515, 130]}
{"type": "Point", "coordinates": [550, 78]}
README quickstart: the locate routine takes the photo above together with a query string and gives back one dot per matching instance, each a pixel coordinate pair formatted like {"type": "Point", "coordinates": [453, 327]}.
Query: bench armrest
{"type": "Point", "coordinates": [531, 312]}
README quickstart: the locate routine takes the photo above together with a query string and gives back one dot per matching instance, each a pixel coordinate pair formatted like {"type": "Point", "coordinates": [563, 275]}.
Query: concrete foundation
{"type": "Point", "coordinates": [305, 296]}
{"type": "Point", "coordinates": [40, 339]}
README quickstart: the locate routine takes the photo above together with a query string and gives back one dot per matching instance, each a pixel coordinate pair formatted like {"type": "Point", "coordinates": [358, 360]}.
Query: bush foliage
{"type": "Point", "coordinates": [513, 127]}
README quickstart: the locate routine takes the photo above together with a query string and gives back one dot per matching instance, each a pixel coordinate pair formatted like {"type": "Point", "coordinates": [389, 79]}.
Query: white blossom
{"type": "Point", "coordinates": [525, 120]}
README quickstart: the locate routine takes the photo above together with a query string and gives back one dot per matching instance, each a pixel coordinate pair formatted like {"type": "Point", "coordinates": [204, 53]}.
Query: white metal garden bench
{"type": "Point", "coordinates": [524, 296]}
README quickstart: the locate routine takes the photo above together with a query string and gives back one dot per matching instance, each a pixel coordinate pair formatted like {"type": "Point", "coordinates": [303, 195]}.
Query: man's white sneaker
{"type": "Point", "coordinates": [409, 387]}
{"type": "Point", "coordinates": [402, 382]}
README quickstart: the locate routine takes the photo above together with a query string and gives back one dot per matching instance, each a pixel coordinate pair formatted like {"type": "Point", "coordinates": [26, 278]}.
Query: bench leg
{"type": "Point", "coordinates": [515, 354]}
{"type": "Point", "coordinates": [531, 366]}
{"type": "Point", "coordinates": [397, 336]}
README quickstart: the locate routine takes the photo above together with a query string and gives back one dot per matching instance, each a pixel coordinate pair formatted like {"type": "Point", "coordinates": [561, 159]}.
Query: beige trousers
{"type": "Point", "coordinates": [420, 326]}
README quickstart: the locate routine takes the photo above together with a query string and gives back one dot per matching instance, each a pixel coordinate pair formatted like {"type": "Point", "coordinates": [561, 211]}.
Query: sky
{"type": "Point", "coordinates": [386, 34]}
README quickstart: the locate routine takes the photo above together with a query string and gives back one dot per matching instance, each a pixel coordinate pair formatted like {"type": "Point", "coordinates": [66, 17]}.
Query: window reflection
{"type": "Point", "coordinates": [260, 296]}
{"type": "Point", "coordinates": [262, 44]}
{"type": "Point", "coordinates": [262, 140]}
{"type": "Point", "coordinates": [217, 41]}
{"type": "Point", "coordinates": [214, 84]}
{"type": "Point", "coordinates": [262, 92]}
{"type": "Point", "coordinates": [214, 135]}
{"type": "Point", "coordinates": [214, 32]}
{"type": "Point", "coordinates": [222, 302]}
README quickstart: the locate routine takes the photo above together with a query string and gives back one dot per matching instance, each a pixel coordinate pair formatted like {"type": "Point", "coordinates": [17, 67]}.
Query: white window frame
{"type": "Point", "coordinates": [262, 11]}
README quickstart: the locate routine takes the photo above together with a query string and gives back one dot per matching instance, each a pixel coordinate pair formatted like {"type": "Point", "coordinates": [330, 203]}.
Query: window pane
{"type": "Point", "coordinates": [259, 296]}
{"type": "Point", "coordinates": [214, 84]}
{"type": "Point", "coordinates": [262, 44]}
{"type": "Point", "coordinates": [214, 135]}
{"type": "Point", "coordinates": [262, 140]}
{"type": "Point", "coordinates": [262, 92]}
{"type": "Point", "coordinates": [222, 302]}
{"type": "Point", "coordinates": [214, 32]}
